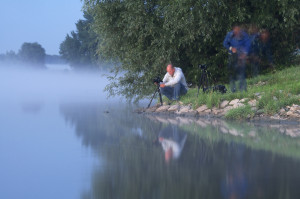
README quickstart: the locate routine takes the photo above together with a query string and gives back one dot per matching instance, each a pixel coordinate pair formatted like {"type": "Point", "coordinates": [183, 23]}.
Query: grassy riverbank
{"type": "Point", "coordinates": [272, 92]}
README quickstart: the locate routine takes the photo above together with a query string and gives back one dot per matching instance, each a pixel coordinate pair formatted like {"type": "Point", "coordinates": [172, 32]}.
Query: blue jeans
{"type": "Point", "coordinates": [173, 93]}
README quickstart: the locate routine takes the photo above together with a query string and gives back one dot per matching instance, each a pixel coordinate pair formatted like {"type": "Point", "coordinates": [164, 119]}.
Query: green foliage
{"type": "Point", "coordinates": [144, 35]}
{"type": "Point", "coordinates": [79, 48]}
{"type": "Point", "coordinates": [240, 113]}
{"type": "Point", "coordinates": [277, 90]}
{"type": "Point", "coordinates": [32, 53]}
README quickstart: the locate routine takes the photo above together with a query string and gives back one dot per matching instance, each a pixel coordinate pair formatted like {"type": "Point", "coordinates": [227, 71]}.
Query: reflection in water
{"type": "Point", "coordinates": [172, 142]}
{"type": "Point", "coordinates": [249, 161]}
{"type": "Point", "coordinates": [32, 107]}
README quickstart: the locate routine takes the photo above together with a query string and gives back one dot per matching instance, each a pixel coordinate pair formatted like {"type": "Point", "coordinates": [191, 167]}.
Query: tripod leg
{"type": "Point", "coordinates": [160, 98]}
{"type": "Point", "coordinates": [199, 84]}
{"type": "Point", "coordinates": [152, 98]}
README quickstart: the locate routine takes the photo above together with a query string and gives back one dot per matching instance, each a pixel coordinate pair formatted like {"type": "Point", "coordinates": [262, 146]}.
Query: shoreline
{"type": "Point", "coordinates": [286, 115]}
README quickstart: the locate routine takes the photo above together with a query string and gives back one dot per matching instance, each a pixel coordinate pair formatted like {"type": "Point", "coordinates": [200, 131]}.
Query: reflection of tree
{"type": "Point", "coordinates": [134, 166]}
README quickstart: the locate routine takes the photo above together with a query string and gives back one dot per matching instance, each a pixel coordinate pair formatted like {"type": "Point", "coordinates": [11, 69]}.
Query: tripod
{"type": "Point", "coordinates": [160, 98]}
{"type": "Point", "coordinates": [203, 81]}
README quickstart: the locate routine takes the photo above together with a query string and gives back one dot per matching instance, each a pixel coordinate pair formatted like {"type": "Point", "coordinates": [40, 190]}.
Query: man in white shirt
{"type": "Point", "coordinates": [174, 84]}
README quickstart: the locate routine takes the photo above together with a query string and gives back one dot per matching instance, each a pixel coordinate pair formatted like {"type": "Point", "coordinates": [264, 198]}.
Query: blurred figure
{"type": "Point", "coordinates": [265, 52]}
{"type": "Point", "coordinates": [237, 43]}
{"type": "Point", "coordinates": [260, 55]}
{"type": "Point", "coordinates": [254, 36]}
{"type": "Point", "coordinates": [172, 142]}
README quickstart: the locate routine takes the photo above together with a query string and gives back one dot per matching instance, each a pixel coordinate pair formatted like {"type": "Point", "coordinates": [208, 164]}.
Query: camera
{"type": "Point", "coordinates": [202, 66]}
{"type": "Point", "coordinates": [157, 80]}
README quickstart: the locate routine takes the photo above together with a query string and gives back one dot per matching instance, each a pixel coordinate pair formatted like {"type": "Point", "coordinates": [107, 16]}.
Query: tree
{"type": "Point", "coordinates": [32, 54]}
{"type": "Point", "coordinates": [144, 35]}
{"type": "Point", "coordinates": [79, 48]}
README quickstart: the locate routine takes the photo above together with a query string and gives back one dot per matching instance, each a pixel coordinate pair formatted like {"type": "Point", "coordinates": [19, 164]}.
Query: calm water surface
{"type": "Point", "coordinates": [60, 137]}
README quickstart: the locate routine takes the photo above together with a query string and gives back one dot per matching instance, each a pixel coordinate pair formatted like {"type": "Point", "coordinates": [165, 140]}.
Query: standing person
{"type": "Point", "coordinates": [265, 53]}
{"type": "Point", "coordinates": [254, 36]}
{"type": "Point", "coordinates": [174, 83]}
{"type": "Point", "coordinates": [237, 43]}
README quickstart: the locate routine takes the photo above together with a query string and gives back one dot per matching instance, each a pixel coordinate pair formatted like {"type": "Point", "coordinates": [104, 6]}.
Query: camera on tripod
{"type": "Point", "coordinates": [157, 80]}
{"type": "Point", "coordinates": [204, 82]}
{"type": "Point", "coordinates": [202, 66]}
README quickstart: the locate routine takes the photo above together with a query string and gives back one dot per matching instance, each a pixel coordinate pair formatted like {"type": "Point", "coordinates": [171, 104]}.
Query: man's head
{"type": "Point", "coordinates": [170, 69]}
{"type": "Point", "coordinates": [236, 29]}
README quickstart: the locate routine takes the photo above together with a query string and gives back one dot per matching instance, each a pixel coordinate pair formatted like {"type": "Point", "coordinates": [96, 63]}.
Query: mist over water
{"type": "Point", "coordinates": [51, 85]}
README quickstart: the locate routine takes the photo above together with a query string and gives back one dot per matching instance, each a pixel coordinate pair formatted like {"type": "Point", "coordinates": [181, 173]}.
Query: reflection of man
{"type": "Point", "coordinates": [172, 142]}
{"type": "Point", "coordinates": [237, 43]}
{"type": "Point", "coordinates": [174, 84]}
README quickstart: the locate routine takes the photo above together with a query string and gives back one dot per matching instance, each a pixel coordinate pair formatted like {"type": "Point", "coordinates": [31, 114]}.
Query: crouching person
{"type": "Point", "coordinates": [174, 84]}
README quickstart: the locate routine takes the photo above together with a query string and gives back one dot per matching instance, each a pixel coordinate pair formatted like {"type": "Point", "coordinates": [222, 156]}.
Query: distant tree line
{"type": "Point", "coordinates": [144, 35]}
{"type": "Point", "coordinates": [80, 47]}
{"type": "Point", "coordinates": [30, 54]}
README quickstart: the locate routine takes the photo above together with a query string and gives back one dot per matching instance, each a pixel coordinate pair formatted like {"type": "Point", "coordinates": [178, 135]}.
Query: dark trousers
{"type": "Point", "coordinates": [237, 72]}
{"type": "Point", "coordinates": [173, 93]}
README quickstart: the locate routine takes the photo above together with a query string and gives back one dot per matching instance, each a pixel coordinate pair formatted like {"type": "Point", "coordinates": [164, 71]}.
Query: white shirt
{"type": "Point", "coordinates": [176, 78]}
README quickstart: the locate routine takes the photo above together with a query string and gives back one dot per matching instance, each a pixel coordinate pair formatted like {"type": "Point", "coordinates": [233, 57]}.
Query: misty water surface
{"type": "Point", "coordinates": [60, 137]}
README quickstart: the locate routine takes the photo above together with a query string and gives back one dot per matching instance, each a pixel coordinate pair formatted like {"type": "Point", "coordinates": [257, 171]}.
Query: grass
{"type": "Point", "coordinates": [278, 89]}
{"type": "Point", "coordinates": [240, 113]}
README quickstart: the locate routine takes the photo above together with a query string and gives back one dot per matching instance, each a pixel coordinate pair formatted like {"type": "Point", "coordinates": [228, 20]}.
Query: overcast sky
{"type": "Point", "coordinates": [44, 21]}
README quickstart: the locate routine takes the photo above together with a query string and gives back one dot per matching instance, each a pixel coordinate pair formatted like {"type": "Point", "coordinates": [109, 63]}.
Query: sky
{"type": "Point", "coordinates": [44, 21]}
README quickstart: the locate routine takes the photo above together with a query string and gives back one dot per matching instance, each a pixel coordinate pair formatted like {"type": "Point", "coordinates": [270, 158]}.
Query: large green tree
{"type": "Point", "coordinates": [79, 48]}
{"type": "Point", "coordinates": [143, 35]}
{"type": "Point", "coordinates": [32, 54]}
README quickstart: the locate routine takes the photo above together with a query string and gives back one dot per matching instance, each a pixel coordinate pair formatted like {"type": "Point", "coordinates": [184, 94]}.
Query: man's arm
{"type": "Point", "coordinates": [226, 42]}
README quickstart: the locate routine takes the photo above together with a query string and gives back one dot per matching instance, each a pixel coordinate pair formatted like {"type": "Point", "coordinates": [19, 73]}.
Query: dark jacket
{"type": "Point", "coordinates": [242, 44]}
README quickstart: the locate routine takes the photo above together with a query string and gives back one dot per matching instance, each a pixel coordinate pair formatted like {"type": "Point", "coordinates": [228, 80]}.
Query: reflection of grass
{"type": "Point", "coordinates": [265, 138]}
{"type": "Point", "coordinates": [278, 90]}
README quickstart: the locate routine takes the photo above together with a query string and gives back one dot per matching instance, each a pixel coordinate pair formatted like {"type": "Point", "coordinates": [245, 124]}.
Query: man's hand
{"type": "Point", "coordinates": [162, 85]}
{"type": "Point", "coordinates": [233, 50]}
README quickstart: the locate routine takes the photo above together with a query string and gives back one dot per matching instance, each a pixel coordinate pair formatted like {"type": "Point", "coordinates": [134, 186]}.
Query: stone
{"type": "Point", "coordinates": [234, 102]}
{"type": "Point", "coordinates": [162, 108]}
{"type": "Point", "coordinates": [237, 105]}
{"type": "Point", "coordinates": [173, 108]}
{"type": "Point", "coordinates": [183, 110]}
{"type": "Point", "coordinates": [202, 108]}
{"type": "Point", "coordinates": [257, 94]}
{"type": "Point", "coordinates": [252, 102]}
{"type": "Point", "coordinates": [276, 117]}
{"type": "Point", "coordinates": [260, 111]}
{"type": "Point", "coordinates": [226, 109]}
{"type": "Point", "coordinates": [207, 111]}
{"type": "Point", "coordinates": [224, 104]}
{"type": "Point", "coordinates": [151, 109]}
{"type": "Point", "coordinates": [282, 111]}
{"type": "Point", "coordinates": [216, 111]}
{"type": "Point", "coordinates": [254, 108]}
{"type": "Point", "coordinates": [289, 113]}
{"type": "Point", "coordinates": [275, 98]}
{"type": "Point", "coordinates": [243, 100]}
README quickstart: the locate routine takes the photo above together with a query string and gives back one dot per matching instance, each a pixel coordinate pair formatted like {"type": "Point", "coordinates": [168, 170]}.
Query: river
{"type": "Point", "coordinates": [61, 137]}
